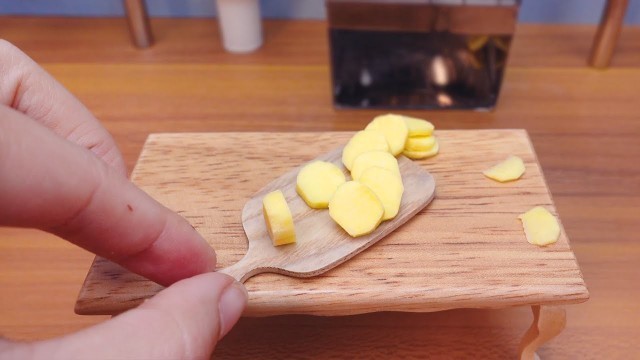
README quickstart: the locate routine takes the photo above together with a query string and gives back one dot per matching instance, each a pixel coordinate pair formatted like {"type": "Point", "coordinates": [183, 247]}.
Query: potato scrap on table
{"type": "Point", "coordinates": [540, 226]}
{"type": "Point", "coordinates": [317, 182]}
{"type": "Point", "coordinates": [510, 169]}
{"type": "Point", "coordinates": [277, 216]}
{"type": "Point", "coordinates": [356, 208]}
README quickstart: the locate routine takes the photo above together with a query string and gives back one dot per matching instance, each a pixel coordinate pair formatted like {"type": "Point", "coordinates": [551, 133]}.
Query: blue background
{"type": "Point", "coordinates": [533, 11]}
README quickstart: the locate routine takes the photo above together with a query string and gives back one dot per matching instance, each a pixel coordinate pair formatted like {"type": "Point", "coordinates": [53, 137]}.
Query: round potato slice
{"type": "Point", "coordinates": [420, 143]}
{"type": "Point", "coordinates": [317, 182]}
{"type": "Point", "coordinates": [422, 154]}
{"type": "Point", "coordinates": [361, 142]}
{"type": "Point", "coordinates": [387, 186]}
{"type": "Point", "coordinates": [394, 129]}
{"type": "Point", "coordinates": [418, 127]}
{"type": "Point", "coordinates": [369, 159]}
{"type": "Point", "coordinates": [356, 208]}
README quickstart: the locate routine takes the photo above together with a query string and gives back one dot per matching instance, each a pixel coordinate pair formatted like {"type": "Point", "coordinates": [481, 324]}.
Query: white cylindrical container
{"type": "Point", "coordinates": [240, 25]}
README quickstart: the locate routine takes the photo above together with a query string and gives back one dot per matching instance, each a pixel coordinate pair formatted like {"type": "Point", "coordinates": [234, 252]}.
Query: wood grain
{"type": "Point", "coordinates": [584, 124]}
{"type": "Point", "coordinates": [287, 43]}
{"type": "Point", "coordinates": [466, 250]}
{"type": "Point", "coordinates": [321, 244]}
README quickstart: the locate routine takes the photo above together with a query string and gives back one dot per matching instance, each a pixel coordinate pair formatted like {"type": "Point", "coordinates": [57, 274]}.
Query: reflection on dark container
{"type": "Point", "coordinates": [419, 54]}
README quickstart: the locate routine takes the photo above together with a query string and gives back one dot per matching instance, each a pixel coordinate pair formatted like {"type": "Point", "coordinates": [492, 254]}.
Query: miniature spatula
{"type": "Point", "coordinates": [321, 243]}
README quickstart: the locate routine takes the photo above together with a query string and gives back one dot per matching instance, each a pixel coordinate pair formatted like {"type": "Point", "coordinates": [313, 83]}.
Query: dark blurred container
{"type": "Point", "coordinates": [419, 53]}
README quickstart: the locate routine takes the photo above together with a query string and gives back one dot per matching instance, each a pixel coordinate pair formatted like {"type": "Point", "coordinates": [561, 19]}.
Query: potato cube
{"type": "Point", "coordinates": [317, 182]}
{"type": "Point", "coordinates": [278, 218]}
{"type": "Point", "coordinates": [356, 208]}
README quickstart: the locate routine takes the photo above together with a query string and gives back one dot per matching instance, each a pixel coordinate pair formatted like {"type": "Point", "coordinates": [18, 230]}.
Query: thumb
{"type": "Point", "coordinates": [184, 321]}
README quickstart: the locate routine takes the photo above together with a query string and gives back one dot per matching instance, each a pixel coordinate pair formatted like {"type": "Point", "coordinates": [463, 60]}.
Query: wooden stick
{"type": "Point", "coordinates": [138, 23]}
{"type": "Point", "coordinates": [548, 322]}
{"type": "Point", "coordinates": [608, 33]}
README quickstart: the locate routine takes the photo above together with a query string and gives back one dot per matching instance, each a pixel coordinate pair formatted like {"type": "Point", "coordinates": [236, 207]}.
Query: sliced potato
{"type": "Point", "coordinates": [317, 182]}
{"type": "Point", "coordinates": [278, 218]}
{"type": "Point", "coordinates": [394, 129]}
{"type": "Point", "coordinates": [418, 127]}
{"type": "Point", "coordinates": [356, 208]}
{"type": "Point", "coordinates": [369, 159]}
{"type": "Point", "coordinates": [510, 169]}
{"type": "Point", "coordinates": [420, 143]}
{"type": "Point", "coordinates": [361, 142]}
{"type": "Point", "coordinates": [387, 186]}
{"type": "Point", "coordinates": [540, 226]}
{"type": "Point", "coordinates": [422, 154]}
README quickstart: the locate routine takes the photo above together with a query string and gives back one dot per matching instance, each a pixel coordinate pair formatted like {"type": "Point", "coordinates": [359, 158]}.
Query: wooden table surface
{"type": "Point", "coordinates": [466, 250]}
{"type": "Point", "coordinates": [584, 124]}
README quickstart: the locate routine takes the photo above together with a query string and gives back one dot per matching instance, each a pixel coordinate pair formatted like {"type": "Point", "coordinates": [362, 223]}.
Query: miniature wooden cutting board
{"type": "Point", "coordinates": [466, 249]}
{"type": "Point", "coordinates": [320, 244]}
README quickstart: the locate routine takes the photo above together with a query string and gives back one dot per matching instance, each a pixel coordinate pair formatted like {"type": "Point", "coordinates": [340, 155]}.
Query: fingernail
{"type": "Point", "coordinates": [232, 303]}
{"type": "Point", "coordinates": [213, 260]}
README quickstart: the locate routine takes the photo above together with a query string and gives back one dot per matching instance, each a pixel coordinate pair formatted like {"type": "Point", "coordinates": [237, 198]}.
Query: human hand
{"type": "Point", "coordinates": [60, 171]}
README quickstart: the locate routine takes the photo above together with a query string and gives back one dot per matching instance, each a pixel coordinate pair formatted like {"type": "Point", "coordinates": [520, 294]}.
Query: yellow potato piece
{"type": "Point", "coordinates": [361, 142]}
{"type": "Point", "coordinates": [420, 143]}
{"type": "Point", "coordinates": [356, 208]}
{"type": "Point", "coordinates": [278, 218]}
{"type": "Point", "coordinates": [418, 127]}
{"type": "Point", "coordinates": [540, 226]}
{"type": "Point", "coordinates": [422, 154]}
{"type": "Point", "coordinates": [317, 182]}
{"type": "Point", "coordinates": [388, 188]}
{"type": "Point", "coordinates": [369, 159]}
{"type": "Point", "coordinates": [510, 169]}
{"type": "Point", "coordinates": [394, 129]}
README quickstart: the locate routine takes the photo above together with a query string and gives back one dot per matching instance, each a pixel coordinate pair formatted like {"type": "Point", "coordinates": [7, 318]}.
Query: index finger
{"type": "Point", "coordinates": [49, 183]}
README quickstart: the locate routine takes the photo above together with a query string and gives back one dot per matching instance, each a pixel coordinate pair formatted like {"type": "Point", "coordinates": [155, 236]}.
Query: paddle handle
{"type": "Point", "coordinates": [243, 269]}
